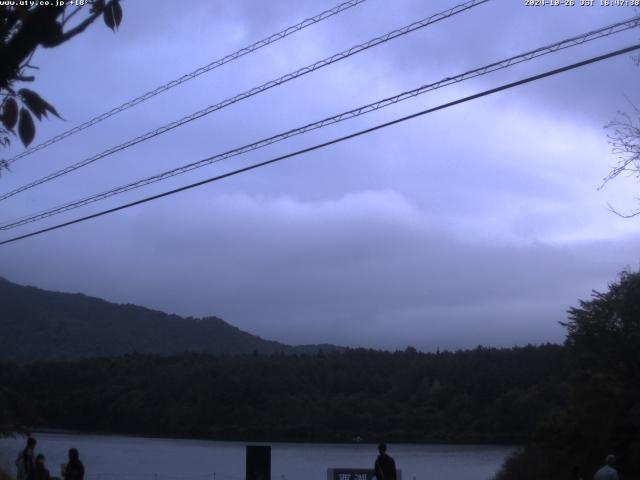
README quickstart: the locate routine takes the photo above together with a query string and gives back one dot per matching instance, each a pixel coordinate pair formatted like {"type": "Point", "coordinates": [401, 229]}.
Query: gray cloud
{"type": "Point", "coordinates": [478, 224]}
{"type": "Point", "coordinates": [369, 269]}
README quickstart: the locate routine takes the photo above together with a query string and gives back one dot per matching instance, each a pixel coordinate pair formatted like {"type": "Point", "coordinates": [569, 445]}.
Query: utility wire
{"type": "Point", "coordinates": [332, 142]}
{"type": "Point", "coordinates": [189, 76]}
{"type": "Point", "coordinates": [254, 91]}
{"type": "Point", "coordinates": [371, 107]}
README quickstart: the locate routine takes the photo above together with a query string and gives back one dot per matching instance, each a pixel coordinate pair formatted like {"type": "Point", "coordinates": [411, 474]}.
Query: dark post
{"type": "Point", "coordinates": [258, 462]}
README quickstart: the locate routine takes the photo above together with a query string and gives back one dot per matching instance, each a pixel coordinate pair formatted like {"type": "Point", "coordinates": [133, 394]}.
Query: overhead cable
{"type": "Point", "coordinates": [254, 91]}
{"type": "Point", "coordinates": [330, 142]}
{"type": "Point", "coordinates": [189, 76]}
{"type": "Point", "coordinates": [371, 107]}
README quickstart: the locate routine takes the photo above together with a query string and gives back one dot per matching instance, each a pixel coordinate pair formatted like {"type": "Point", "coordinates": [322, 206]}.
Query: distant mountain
{"type": "Point", "coordinates": [39, 325]}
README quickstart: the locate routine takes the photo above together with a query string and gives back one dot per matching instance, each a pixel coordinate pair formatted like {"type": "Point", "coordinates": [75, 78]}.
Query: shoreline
{"type": "Point", "coordinates": [61, 431]}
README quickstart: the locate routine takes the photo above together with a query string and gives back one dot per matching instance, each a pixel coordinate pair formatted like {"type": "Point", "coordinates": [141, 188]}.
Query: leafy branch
{"type": "Point", "coordinates": [23, 29]}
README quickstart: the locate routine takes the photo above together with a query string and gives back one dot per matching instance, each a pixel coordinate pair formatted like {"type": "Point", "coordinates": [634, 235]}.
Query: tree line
{"type": "Point", "coordinates": [570, 405]}
{"type": "Point", "coordinates": [482, 395]}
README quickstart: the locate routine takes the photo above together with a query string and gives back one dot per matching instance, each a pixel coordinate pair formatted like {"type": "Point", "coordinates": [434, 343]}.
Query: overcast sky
{"type": "Point", "coordinates": [479, 224]}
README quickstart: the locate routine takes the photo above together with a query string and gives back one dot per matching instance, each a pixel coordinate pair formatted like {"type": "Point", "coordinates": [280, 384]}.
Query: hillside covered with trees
{"type": "Point", "coordinates": [571, 404]}
{"type": "Point", "coordinates": [40, 325]}
{"type": "Point", "coordinates": [483, 395]}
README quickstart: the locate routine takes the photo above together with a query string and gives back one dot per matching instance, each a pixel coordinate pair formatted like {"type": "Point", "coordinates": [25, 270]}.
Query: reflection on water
{"type": "Point", "coordinates": [134, 458]}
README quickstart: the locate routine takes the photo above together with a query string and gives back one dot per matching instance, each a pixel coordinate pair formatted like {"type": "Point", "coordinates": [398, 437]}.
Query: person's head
{"type": "Point", "coordinates": [31, 443]}
{"type": "Point", "coordinates": [73, 454]}
{"type": "Point", "coordinates": [610, 460]}
{"type": "Point", "coordinates": [40, 459]}
{"type": "Point", "coordinates": [382, 447]}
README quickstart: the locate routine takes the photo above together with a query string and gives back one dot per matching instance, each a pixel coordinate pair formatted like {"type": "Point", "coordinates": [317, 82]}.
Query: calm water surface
{"type": "Point", "coordinates": [134, 458]}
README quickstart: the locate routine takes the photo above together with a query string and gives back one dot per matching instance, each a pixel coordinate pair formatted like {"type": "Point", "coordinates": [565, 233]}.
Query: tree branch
{"type": "Point", "coordinates": [70, 16]}
{"type": "Point", "coordinates": [26, 40]}
{"type": "Point", "coordinates": [634, 213]}
{"type": "Point", "coordinates": [625, 143]}
{"type": "Point", "coordinates": [81, 27]}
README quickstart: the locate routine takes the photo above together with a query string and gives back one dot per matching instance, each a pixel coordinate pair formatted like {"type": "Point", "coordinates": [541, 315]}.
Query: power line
{"type": "Point", "coordinates": [189, 76]}
{"type": "Point", "coordinates": [332, 142]}
{"type": "Point", "coordinates": [514, 60]}
{"type": "Point", "coordinates": [254, 91]}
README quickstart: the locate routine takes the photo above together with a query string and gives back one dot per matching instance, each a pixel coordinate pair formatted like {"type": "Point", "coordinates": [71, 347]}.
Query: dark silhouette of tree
{"type": "Point", "coordinates": [24, 28]}
{"type": "Point", "coordinates": [478, 396]}
{"type": "Point", "coordinates": [603, 411]}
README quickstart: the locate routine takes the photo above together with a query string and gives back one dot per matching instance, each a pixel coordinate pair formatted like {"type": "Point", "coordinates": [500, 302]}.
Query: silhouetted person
{"type": "Point", "coordinates": [576, 474]}
{"type": "Point", "coordinates": [607, 472]}
{"type": "Point", "coordinates": [25, 461]}
{"type": "Point", "coordinates": [385, 467]}
{"type": "Point", "coordinates": [39, 471]}
{"type": "Point", "coordinates": [74, 469]}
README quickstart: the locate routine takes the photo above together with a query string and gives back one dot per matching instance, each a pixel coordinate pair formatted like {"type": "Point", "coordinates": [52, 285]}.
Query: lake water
{"type": "Point", "coordinates": [109, 457]}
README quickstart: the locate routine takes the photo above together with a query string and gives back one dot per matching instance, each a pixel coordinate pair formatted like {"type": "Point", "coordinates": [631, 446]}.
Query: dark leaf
{"type": "Point", "coordinates": [117, 13]}
{"type": "Point", "coordinates": [109, 21]}
{"type": "Point", "coordinates": [10, 113]}
{"type": "Point", "coordinates": [26, 128]}
{"type": "Point", "coordinates": [50, 34]}
{"type": "Point", "coordinates": [112, 15]}
{"type": "Point", "coordinates": [36, 103]}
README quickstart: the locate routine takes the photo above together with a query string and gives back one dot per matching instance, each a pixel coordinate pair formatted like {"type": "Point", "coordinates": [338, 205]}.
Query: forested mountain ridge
{"type": "Point", "coordinates": [40, 325]}
{"type": "Point", "coordinates": [477, 396]}
{"type": "Point", "coordinates": [269, 391]}
{"type": "Point", "coordinates": [575, 403]}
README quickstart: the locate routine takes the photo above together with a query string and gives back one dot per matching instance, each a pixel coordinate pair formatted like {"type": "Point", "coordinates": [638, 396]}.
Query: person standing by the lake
{"type": "Point", "coordinates": [607, 472]}
{"type": "Point", "coordinates": [385, 466]}
{"type": "Point", "coordinates": [74, 470]}
{"type": "Point", "coordinates": [25, 461]}
{"type": "Point", "coordinates": [40, 471]}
